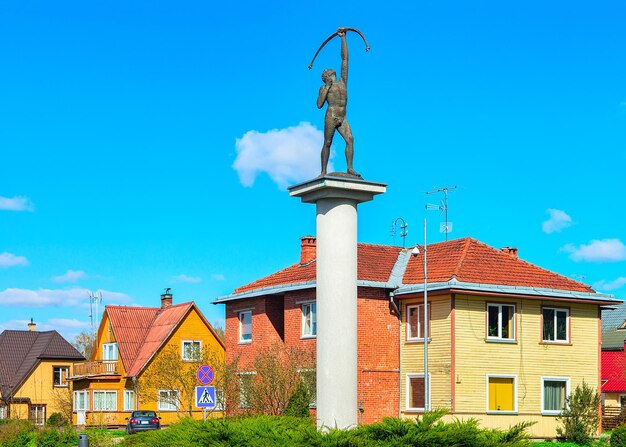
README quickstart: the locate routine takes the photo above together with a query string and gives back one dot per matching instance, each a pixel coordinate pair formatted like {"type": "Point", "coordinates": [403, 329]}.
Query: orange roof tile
{"type": "Point", "coordinates": [466, 260]}
{"type": "Point", "coordinates": [141, 331]}
{"type": "Point", "coordinates": [472, 261]}
{"type": "Point", "coordinates": [374, 263]}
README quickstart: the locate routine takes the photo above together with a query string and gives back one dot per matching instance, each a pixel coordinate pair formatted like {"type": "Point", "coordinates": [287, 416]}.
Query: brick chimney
{"type": "Point", "coordinates": [511, 251]}
{"type": "Point", "coordinates": [166, 299]}
{"type": "Point", "coordinates": [307, 249]}
{"type": "Point", "coordinates": [32, 326]}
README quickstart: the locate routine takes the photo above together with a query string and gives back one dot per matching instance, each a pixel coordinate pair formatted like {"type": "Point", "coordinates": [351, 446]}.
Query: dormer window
{"type": "Point", "coordinates": [109, 352]}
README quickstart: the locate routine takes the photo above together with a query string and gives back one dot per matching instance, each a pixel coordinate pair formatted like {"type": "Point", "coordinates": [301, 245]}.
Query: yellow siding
{"type": "Point", "coordinates": [439, 353]}
{"type": "Point", "coordinates": [39, 388]}
{"type": "Point", "coordinates": [528, 359]}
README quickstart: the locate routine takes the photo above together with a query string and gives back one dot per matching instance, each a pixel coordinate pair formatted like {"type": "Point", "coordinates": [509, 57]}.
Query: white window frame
{"type": "Point", "coordinates": [567, 322]}
{"type": "Point", "coordinates": [567, 393]}
{"type": "Point", "coordinates": [242, 398]}
{"type": "Point", "coordinates": [420, 329]}
{"type": "Point", "coordinates": [37, 414]}
{"type": "Point", "coordinates": [312, 324]}
{"type": "Point", "coordinates": [129, 400]}
{"type": "Point", "coordinates": [105, 394]}
{"type": "Point", "coordinates": [77, 401]}
{"type": "Point", "coordinates": [198, 352]}
{"type": "Point", "coordinates": [512, 338]}
{"type": "Point", "coordinates": [165, 402]}
{"type": "Point", "coordinates": [62, 377]}
{"type": "Point", "coordinates": [407, 390]}
{"type": "Point", "coordinates": [245, 337]}
{"type": "Point", "coordinates": [110, 352]}
{"type": "Point", "coordinates": [502, 376]}
{"type": "Point", "coordinates": [3, 411]}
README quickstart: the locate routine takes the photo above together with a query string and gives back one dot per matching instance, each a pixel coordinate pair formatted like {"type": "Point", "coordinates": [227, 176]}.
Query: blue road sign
{"type": "Point", "coordinates": [205, 375]}
{"type": "Point", "coordinates": [205, 396]}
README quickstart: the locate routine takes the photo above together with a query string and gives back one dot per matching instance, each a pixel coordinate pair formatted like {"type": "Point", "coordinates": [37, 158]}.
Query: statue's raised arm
{"type": "Point", "coordinates": [334, 93]}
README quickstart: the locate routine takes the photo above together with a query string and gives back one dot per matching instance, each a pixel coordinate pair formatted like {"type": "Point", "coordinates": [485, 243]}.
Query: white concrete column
{"type": "Point", "coordinates": [336, 201]}
{"type": "Point", "coordinates": [336, 312]}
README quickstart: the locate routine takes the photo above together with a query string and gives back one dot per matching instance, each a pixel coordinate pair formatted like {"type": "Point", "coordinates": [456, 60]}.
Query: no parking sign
{"type": "Point", "coordinates": [205, 375]}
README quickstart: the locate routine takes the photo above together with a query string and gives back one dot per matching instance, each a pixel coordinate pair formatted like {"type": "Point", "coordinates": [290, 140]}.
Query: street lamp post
{"type": "Point", "coordinates": [426, 322]}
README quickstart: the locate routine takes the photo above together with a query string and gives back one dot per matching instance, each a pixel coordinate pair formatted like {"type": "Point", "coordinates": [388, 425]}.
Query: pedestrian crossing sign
{"type": "Point", "coordinates": [205, 396]}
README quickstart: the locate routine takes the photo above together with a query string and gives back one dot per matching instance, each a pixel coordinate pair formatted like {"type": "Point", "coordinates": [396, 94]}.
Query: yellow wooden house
{"type": "Point", "coordinates": [147, 358]}
{"type": "Point", "coordinates": [34, 367]}
{"type": "Point", "coordinates": [507, 340]}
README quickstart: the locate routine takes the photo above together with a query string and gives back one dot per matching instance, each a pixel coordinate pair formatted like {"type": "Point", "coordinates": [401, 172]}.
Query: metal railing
{"type": "Point", "coordinates": [97, 368]}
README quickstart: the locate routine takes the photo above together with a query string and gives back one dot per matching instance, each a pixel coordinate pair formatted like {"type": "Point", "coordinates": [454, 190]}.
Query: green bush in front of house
{"type": "Point", "coordinates": [618, 436]}
{"type": "Point", "coordinates": [266, 431]}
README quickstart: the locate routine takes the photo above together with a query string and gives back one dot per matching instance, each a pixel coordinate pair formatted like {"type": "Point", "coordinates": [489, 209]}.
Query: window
{"type": "Point", "coordinates": [554, 390]}
{"type": "Point", "coordinates": [37, 414]}
{"type": "Point", "coordinates": [555, 325]}
{"type": "Point", "coordinates": [415, 400]}
{"type": "Point", "coordinates": [59, 376]}
{"type": "Point", "coordinates": [129, 400]}
{"type": "Point", "coordinates": [109, 351]}
{"type": "Point", "coordinates": [415, 322]}
{"type": "Point", "coordinates": [168, 400]}
{"type": "Point", "coordinates": [501, 394]}
{"type": "Point", "coordinates": [3, 411]}
{"type": "Point", "coordinates": [81, 400]}
{"type": "Point", "coordinates": [245, 326]}
{"type": "Point", "coordinates": [245, 388]}
{"type": "Point", "coordinates": [192, 350]}
{"type": "Point", "coordinates": [309, 320]}
{"type": "Point", "coordinates": [500, 322]}
{"type": "Point", "coordinates": [105, 400]}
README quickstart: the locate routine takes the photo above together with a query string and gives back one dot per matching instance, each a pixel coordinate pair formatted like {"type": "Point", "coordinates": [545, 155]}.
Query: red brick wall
{"type": "Point", "coordinates": [378, 339]}
{"type": "Point", "coordinates": [378, 356]}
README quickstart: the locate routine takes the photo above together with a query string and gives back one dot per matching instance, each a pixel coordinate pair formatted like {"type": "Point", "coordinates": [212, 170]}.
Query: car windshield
{"type": "Point", "coordinates": [144, 414]}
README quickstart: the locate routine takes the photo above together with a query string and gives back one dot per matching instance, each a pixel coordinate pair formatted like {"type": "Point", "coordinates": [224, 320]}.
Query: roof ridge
{"type": "Point", "coordinates": [457, 271]}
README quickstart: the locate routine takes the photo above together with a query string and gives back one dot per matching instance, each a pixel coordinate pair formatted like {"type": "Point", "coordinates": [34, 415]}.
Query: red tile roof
{"type": "Point", "coordinates": [141, 331]}
{"type": "Point", "coordinates": [374, 264]}
{"type": "Point", "coordinates": [472, 261]}
{"type": "Point", "coordinates": [614, 371]}
{"type": "Point", "coordinates": [467, 260]}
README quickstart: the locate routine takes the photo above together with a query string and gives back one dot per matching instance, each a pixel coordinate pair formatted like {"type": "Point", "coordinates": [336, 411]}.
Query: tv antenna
{"type": "Point", "coordinates": [403, 230]}
{"type": "Point", "coordinates": [94, 298]}
{"type": "Point", "coordinates": [442, 207]}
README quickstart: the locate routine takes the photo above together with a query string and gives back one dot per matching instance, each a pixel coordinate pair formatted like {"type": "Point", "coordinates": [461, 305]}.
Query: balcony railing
{"type": "Point", "coordinates": [97, 368]}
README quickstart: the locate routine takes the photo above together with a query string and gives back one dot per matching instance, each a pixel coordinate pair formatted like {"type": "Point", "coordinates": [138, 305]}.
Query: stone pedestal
{"type": "Point", "coordinates": [336, 200]}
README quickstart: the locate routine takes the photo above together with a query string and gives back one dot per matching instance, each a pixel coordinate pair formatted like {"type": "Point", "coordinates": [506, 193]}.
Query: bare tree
{"type": "Point", "coordinates": [279, 372]}
{"type": "Point", "coordinates": [85, 343]}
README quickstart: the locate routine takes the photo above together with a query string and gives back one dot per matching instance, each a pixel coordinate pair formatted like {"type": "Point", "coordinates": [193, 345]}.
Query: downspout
{"type": "Point", "coordinates": [136, 386]}
{"type": "Point", "coordinates": [395, 308]}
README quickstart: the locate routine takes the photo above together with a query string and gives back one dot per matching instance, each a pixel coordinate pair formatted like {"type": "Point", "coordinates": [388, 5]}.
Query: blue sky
{"type": "Point", "coordinates": [147, 145]}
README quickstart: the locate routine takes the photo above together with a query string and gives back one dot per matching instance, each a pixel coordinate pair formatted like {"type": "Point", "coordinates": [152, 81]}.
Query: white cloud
{"type": "Point", "coordinates": [185, 278]}
{"type": "Point", "coordinates": [607, 286]}
{"type": "Point", "coordinates": [558, 220]}
{"type": "Point", "coordinates": [218, 277]}
{"type": "Point", "coordinates": [59, 297]}
{"type": "Point", "coordinates": [70, 276]}
{"type": "Point", "coordinates": [10, 260]}
{"type": "Point", "coordinates": [68, 328]}
{"type": "Point", "coordinates": [16, 204]}
{"type": "Point", "coordinates": [288, 155]}
{"type": "Point", "coordinates": [605, 250]}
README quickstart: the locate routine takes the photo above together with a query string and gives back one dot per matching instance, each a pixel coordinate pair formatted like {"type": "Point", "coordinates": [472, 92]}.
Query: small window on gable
{"type": "Point", "coordinates": [59, 376]}
{"type": "Point", "coordinates": [500, 321]}
{"type": "Point", "coordinates": [555, 325]}
{"type": "Point", "coordinates": [309, 320]}
{"type": "Point", "coordinates": [192, 350]}
{"type": "Point", "coordinates": [109, 351]}
{"type": "Point", "coordinates": [245, 326]}
{"type": "Point", "coordinates": [415, 322]}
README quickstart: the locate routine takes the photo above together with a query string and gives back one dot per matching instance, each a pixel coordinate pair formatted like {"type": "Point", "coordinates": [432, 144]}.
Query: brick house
{"type": "Point", "coordinates": [505, 343]}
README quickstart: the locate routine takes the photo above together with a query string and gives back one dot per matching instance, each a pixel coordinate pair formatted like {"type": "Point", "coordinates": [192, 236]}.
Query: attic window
{"type": "Point", "coordinates": [192, 350]}
{"type": "Point", "coordinates": [109, 351]}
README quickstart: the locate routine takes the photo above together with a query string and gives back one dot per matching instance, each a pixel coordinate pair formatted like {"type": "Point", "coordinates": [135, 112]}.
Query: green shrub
{"type": "Point", "coordinates": [618, 437]}
{"type": "Point", "coordinates": [57, 437]}
{"type": "Point", "coordinates": [17, 433]}
{"type": "Point", "coordinates": [581, 418]}
{"type": "Point", "coordinates": [57, 420]}
{"type": "Point", "coordinates": [298, 405]}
